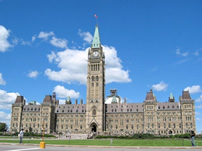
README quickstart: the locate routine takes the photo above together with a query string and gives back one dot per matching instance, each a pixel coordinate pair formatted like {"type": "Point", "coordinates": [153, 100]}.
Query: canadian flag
{"type": "Point", "coordinates": [95, 16]}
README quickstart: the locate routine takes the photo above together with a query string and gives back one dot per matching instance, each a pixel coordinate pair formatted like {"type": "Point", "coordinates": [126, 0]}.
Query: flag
{"type": "Point", "coordinates": [95, 16]}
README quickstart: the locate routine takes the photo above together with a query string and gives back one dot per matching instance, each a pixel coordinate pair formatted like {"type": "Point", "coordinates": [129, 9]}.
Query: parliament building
{"type": "Point", "coordinates": [116, 118]}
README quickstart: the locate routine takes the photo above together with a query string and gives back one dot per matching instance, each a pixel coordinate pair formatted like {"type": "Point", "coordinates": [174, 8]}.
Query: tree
{"type": "Point", "coordinates": [30, 129]}
{"type": "Point", "coordinates": [3, 127]}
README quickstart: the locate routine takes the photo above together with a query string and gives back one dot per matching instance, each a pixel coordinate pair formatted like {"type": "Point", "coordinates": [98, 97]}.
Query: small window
{"type": "Point", "coordinates": [94, 112]}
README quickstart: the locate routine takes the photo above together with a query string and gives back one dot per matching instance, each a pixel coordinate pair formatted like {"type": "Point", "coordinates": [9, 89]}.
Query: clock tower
{"type": "Point", "coordinates": [95, 101]}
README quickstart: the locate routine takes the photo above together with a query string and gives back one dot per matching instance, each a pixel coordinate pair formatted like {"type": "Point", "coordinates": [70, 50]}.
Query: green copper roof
{"type": "Point", "coordinates": [96, 38]}
{"type": "Point", "coordinates": [171, 96]}
{"type": "Point", "coordinates": [68, 98]}
{"type": "Point", "coordinates": [114, 99]}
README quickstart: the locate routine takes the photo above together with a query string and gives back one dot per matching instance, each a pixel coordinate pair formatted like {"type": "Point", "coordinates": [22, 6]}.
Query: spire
{"type": "Point", "coordinates": [96, 39]}
{"type": "Point", "coordinates": [171, 98]}
{"type": "Point", "coordinates": [114, 99]}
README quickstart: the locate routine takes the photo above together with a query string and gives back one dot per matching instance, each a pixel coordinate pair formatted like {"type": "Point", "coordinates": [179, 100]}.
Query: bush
{"type": "Point", "coordinates": [199, 136]}
{"type": "Point", "coordinates": [36, 134]}
{"type": "Point", "coordinates": [148, 136]}
{"type": "Point", "coordinates": [187, 135]}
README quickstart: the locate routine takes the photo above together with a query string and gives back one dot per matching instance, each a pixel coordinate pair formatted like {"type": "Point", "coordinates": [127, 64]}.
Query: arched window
{"type": "Point", "coordinates": [93, 79]}
{"type": "Point", "coordinates": [97, 78]}
{"type": "Point", "coordinates": [94, 112]}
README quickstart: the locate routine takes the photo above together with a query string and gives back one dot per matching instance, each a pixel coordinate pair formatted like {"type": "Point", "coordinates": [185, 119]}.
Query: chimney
{"type": "Point", "coordinates": [76, 101]}
{"type": "Point", "coordinates": [81, 101]}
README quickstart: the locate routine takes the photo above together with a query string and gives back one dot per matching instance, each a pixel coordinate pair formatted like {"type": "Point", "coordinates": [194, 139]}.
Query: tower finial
{"type": "Point", "coordinates": [96, 39]}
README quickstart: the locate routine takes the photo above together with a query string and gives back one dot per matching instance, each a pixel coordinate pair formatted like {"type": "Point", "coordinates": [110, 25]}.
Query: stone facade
{"type": "Point", "coordinates": [115, 118]}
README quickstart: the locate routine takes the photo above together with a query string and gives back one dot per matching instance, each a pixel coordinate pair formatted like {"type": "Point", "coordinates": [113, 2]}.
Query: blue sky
{"type": "Point", "coordinates": [148, 44]}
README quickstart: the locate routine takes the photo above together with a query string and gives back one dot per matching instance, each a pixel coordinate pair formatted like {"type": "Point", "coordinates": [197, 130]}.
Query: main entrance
{"type": "Point", "coordinates": [93, 127]}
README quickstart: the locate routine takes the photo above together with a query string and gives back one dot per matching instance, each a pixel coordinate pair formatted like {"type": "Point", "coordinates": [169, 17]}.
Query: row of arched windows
{"type": "Point", "coordinates": [95, 78]}
{"type": "Point", "coordinates": [95, 67]}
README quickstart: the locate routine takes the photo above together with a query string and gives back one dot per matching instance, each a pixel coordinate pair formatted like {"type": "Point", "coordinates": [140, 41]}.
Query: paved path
{"type": "Point", "coordinates": [25, 147]}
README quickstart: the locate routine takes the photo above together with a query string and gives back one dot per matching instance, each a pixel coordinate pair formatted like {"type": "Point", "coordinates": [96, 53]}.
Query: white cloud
{"type": "Point", "coordinates": [198, 119]}
{"type": "Point", "coordinates": [62, 101]}
{"type": "Point", "coordinates": [184, 54]}
{"type": "Point", "coordinates": [86, 36]}
{"type": "Point", "coordinates": [33, 74]}
{"type": "Point", "coordinates": [5, 117]}
{"type": "Point", "coordinates": [199, 106]}
{"type": "Point", "coordinates": [45, 35]}
{"type": "Point", "coordinates": [33, 38]}
{"type": "Point", "coordinates": [199, 99]}
{"type": "Point", "coordinates": [62, 92]}
{"type": "Point", "coordinates": [2, 81]}
{"type": "Point", "coordinates": [160, 87]}
{"type": "Point", "coordinates": [4, 34]}
{"type": "Point", "coordinates": [73, 66]}
{"type": "Point", "coordinates": [17, 40]}
{"type": "Point", "coordinates": [196, 53]}
{"type": "Point", "coordinates": [57, 42]}
{"type": "Point", "coordinates": [193, 89]}
{"type": "Point", "coordinates": [182, 61]}
{"type": "Point", "coordinates": [6, 99]}
{"type": "Point", "coordinates": [51, 56]}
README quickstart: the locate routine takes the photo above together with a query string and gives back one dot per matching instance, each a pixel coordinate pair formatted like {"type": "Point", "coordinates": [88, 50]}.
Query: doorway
{"type": "Point", "coordinates": [94, 128]}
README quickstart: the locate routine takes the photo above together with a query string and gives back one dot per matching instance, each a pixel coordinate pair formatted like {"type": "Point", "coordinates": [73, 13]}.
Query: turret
{"type": "Point", "coordinates": [171, 98]}
{"type": "Point", "coordinates": [150, 97]}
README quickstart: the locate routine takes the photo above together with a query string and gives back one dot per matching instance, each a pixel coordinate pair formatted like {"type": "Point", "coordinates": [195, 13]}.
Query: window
{"type": "Point", "coordinates": [94, 112]}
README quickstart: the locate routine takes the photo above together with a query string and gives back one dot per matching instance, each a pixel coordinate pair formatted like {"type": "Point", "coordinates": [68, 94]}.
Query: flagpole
{"type": "Point", "coordinates": [96, 17]}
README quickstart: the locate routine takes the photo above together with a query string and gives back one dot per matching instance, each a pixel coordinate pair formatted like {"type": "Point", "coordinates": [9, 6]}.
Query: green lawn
{"type": "Point", "coordinates": [115, 142]}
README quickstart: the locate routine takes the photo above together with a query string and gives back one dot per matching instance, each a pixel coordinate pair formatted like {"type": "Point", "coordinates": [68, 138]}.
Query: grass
{"type": "Point", "coordinates": [115, 142]}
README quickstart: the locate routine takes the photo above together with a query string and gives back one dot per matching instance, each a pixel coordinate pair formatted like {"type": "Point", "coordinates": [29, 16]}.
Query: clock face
{"type": "Point", "coordinates": [95, 53]}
